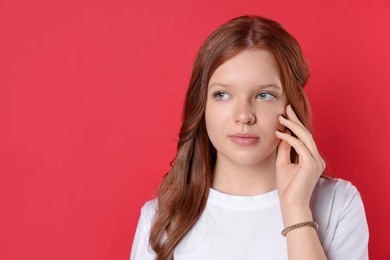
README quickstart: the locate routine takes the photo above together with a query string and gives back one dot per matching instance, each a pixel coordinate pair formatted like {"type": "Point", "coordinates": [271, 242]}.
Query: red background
{"type": "Point", "coordinates": [91, 94]}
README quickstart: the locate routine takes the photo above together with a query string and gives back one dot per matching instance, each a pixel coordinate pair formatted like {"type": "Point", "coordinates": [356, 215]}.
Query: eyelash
{"type": "Point", "coordinates": [218, 95]}
{"type": "Point", "coordinates": [267, 93]}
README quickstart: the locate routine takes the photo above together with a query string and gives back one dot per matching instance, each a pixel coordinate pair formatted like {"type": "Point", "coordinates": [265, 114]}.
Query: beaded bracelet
{"type": "Point", "coordinates": [299, 225]}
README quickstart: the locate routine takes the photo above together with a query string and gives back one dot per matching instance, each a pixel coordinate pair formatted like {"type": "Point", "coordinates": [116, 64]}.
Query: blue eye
{"type": "Point", "coordinates": [266, 96]}
{"type": "Point", "coordinates": [221, 95]}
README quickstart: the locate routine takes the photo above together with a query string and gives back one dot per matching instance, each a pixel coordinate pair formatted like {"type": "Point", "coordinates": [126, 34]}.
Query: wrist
{"type": "Point", "coordinates": [293, 214]}
{"type": "Point", "coordinates": [299, 225]}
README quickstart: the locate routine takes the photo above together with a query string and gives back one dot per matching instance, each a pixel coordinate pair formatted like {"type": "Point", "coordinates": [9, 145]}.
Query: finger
{"type": "Point", "coordinates": [293, 123]}
{"type": "Point", "coordinates": [302, 133]}
{"type": "Point", "coordinates": [304, 154]}
{"type": "Point", "coordinates": [283, 152]}
{"type": "Point", "coordinates": [291, 115]}
{"type": "Point", "coordinates": [309, 141]}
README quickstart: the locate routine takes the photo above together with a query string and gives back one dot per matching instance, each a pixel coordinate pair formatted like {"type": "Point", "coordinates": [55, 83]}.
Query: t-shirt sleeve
{"type": "Point", "coordinates": [350, 240]}
{"type": "Point", "coordinates": [141, 249]}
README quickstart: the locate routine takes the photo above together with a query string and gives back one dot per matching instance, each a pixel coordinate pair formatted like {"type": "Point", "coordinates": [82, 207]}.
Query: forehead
{"type": "Point", "coordinates": [252, 66]}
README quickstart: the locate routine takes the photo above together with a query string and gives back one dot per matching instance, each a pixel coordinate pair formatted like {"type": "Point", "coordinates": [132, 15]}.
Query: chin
{"type": "Point", "coordinates": [253, 160]}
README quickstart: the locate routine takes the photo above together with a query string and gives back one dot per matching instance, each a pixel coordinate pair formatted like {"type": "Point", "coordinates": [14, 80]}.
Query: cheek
{"type": "Point", "coordinates": [217, 120]}
{"type": "Point", "coordinates": [211, 120]}
{"type": "Point", "coordinates": [271, 116]}
{"type": "Point", "coordinates": [216, 115]}
{"type": "Point", "coordinates": [274, 123]}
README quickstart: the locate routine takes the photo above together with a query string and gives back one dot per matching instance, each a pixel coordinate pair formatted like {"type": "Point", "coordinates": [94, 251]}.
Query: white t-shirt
{"type": "Point", "coordinates": [248, 227]}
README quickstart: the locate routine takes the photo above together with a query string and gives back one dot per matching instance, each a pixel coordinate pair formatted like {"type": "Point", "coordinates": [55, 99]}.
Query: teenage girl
{"type": "Point", "coordinates": [247, 182]}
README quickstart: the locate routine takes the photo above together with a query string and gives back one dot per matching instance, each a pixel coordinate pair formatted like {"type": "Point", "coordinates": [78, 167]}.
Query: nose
{"type": "Point", "coordinates": [244, 113]}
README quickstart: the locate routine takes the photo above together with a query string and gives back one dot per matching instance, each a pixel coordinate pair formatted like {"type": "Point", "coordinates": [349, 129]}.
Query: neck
{"type": "Point", "coordinates": [245, 180]}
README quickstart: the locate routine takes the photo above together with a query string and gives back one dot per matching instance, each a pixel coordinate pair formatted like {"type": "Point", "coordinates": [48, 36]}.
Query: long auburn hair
{"type": "Point", "coordinates": [182, 196]}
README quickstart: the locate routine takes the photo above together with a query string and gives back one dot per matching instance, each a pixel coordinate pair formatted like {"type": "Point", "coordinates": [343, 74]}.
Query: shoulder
{"type": "Point", "coordinates": [338, 209]}
{"type": "Point", "coordinates": [333, 196]}
{"type": "Point", "coordinates": [141, 248]}
{"type": "Point", "coordinates": [149, 207]}
{"type": "Point", "coordinates": [333, 191]}
{"type": "Point", "coordinates": [148, 211]}
{"type": "Point", "coordinates": [334, 185]}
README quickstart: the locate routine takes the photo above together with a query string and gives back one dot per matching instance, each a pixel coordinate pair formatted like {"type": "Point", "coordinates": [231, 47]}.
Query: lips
{"type": "Point", "coordinates": [244, 139]}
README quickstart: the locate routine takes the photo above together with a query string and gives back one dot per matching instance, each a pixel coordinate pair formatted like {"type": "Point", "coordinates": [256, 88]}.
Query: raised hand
{"type": "Point", "coordinates": [296, 181]}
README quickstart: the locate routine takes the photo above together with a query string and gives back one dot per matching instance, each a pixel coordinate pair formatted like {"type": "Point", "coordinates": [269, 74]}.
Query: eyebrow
{"type": "Point", "coordinates": [271, 85]}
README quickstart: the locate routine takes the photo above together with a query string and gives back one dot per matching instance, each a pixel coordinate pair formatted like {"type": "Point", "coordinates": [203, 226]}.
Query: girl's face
{"type": "Point", "coordinates": [245, 98]}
